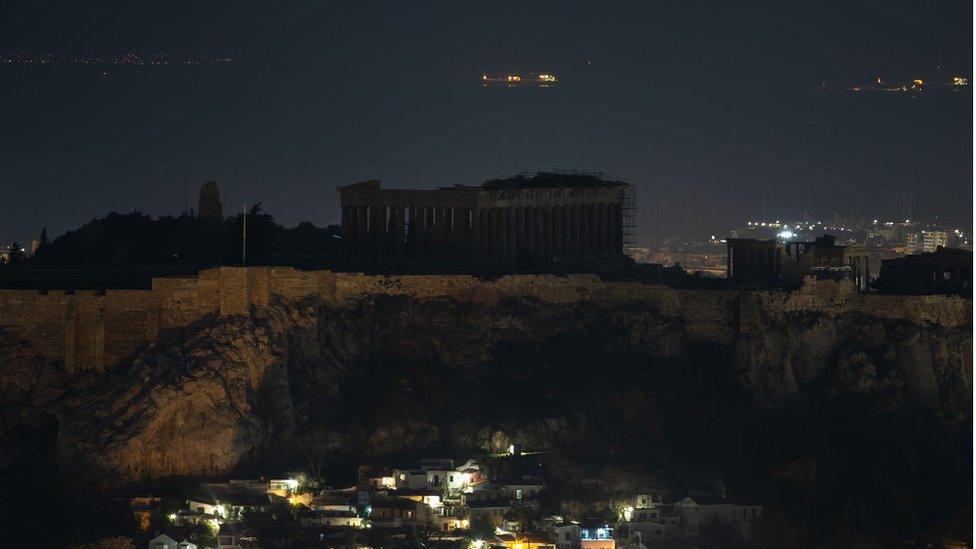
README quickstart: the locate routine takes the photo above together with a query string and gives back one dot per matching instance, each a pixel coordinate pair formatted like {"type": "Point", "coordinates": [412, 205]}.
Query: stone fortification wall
{"type": "Point", "coordinates": [96, 330]}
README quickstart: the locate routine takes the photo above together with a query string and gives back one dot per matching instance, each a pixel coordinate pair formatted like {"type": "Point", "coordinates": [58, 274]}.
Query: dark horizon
{"type": "Point", "coordinates": [711, 111]}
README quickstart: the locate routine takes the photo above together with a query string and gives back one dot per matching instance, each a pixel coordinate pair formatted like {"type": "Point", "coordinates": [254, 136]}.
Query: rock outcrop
{"type": "Point", "coordinates": [386, 374]}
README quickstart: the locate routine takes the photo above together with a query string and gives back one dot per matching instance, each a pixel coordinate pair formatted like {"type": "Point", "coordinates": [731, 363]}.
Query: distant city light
{"type": "Point", "coordinates": [511, 80]}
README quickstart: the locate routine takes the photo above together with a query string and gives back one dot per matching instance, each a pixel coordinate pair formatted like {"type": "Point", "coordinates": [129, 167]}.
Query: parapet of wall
{"type": "Point", "coordinates": [95, 331]}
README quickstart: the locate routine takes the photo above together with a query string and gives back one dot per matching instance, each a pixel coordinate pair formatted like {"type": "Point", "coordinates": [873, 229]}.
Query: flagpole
{"type": "Point", "coordinates": [244, 239]}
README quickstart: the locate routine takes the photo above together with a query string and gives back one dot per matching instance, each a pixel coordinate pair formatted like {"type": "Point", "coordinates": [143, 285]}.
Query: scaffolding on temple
{"type": "Point", "coordinates": [629, 224]}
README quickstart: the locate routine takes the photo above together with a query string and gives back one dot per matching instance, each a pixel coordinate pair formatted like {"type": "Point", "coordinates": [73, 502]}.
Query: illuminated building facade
{"type": "Point", "coordinates": [523, 220]}
{"type": "Point", "coordinates": [932, 240]}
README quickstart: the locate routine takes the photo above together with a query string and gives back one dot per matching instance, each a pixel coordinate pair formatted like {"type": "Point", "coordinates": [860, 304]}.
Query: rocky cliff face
{"type": "Point", "coordinates": [394, 374]}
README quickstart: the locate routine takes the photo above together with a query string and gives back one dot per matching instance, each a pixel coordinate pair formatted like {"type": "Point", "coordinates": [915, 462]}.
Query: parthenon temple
{"type": "Point", "coordinates": [522, 220]}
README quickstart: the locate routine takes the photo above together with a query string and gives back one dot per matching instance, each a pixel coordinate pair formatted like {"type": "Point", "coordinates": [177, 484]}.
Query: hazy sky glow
{"type": "Point", "coordinates": [707, 106]}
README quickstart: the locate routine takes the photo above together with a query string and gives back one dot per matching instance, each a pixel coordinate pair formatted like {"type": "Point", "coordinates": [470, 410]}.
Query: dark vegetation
{"type": "Point", "coordinates": [127, 250]}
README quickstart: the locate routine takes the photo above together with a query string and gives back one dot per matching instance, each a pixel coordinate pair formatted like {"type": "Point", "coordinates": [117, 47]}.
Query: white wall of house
{"type": "Point", "coordinates": [202, 507]}
{"type": "Point", "coordinates": [162, 542]}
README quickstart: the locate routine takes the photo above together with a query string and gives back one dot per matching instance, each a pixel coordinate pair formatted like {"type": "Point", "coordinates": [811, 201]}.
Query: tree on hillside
{"type": "Point", "coordinates": [259, 238]}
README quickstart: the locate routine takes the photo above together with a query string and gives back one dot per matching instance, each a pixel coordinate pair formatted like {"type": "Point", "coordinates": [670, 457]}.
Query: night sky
{"type": "Point", "coordinates": [711, 108]}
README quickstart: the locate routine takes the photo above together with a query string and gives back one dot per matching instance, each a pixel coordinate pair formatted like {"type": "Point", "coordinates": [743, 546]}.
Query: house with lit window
{"type": "Point", "coordinates": [596, 534]}
{"type": "Point", "coordinates": [331, 519]}
{"type": "Point", "coordinates": [395, 512]}
{"type": "Point", "coordinates": [527, 540]}
{"type": "Point", "coordinates": [526, 487]}
{"type": "Point", "coordinates": [191, 517]}
{"type": "Point", "coordinates": [566, 535]}
{"type": "Point", "coordinates": [432, 498]}
{"type": "Point", "coordinates": [231, 501]}
{"type": "Point", "coordinates": [377, 478]}
{"type": "Point", "coordinates": [335, 500]}
{"type": "Point", "coordinates": [448, 519]}
{"type": "Point", "coordinates": [410, 479]}
{"type": "Point", "coordinates": [471, 476]}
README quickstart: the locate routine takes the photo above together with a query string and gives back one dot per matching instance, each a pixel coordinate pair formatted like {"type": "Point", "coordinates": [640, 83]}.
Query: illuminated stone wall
{"type": "Point", "coordinates": [94, 331]}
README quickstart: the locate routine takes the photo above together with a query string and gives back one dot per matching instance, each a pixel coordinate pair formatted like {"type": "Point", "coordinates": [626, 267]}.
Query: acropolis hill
{"type": "Point", "coordinates": [239, 370]}
{"type": "Point", "coordinates": [87, 330]}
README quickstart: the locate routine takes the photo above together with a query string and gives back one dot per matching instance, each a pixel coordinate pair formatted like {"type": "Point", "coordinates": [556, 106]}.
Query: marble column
{"type": "Point", "coordinates": [521, 237]}
{"type": "Point", "coordinates": [539, 249]}
{"type": "Point", "coordinates": [491, 239]}
{"type": "Point", "coordinates": [377, 221]}
{"type": "Point", "coordinates": [397, 232]}
{"type": "Point", "coordinates": [430, 237]}
{"type": "Point", "coordinates": [362, 218]}
{"type": "Point", "coordinates": [504, 231]}
{"type": "Point", "coordinates": [574, 221]}
{"type": "Point", "coordinates": [510, 229]}
{"type": "Point", "coordinates": [612, 228]}
{"type": "Point", "coordinates": [601, 228]}
{"type": "Point", "coordinates": [557, 230]}
{"type": "Point", "coordinates": [547, 237]}
{"type": "Point", "coordinates": [417, 218]}
{"type": "Point", "coordinates": [587, 238]}
{"type": "Point", "coordinates": [445, 231]}
{"type": "Point", "coordinates": [618, 229]}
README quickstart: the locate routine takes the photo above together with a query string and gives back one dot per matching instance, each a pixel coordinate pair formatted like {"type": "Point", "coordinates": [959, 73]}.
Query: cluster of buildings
{"type": "Point", "coordinates": [893, 257]}
{"type": "Point", "coordinates": [765, 263]}
{"type": "Point", "coordinates": [914, 85]}
{"type": "Point", "coordinates": [435, 503]}
{"type": "Point", "coordinates": [514, 80]}
{"type": "Point", "coordinates": [899, 236]}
